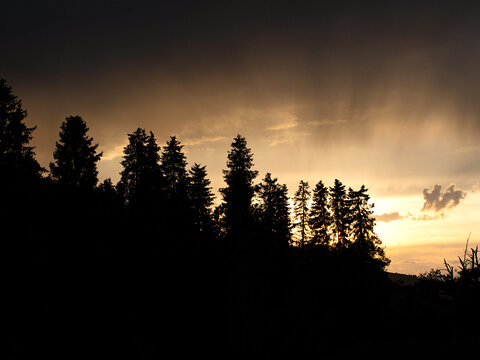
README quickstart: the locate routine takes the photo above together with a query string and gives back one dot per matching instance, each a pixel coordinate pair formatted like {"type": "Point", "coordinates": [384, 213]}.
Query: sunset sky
{"type": "Point", "coordinates": [381, 93]}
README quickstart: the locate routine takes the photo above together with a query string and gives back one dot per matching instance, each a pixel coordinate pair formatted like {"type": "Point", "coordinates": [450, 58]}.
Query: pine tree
{"type": "Point", "coordinates": [201, 198]}
{"type": "Point", "coordinates": [173, 166]}
{"type": "Point", "coordinates": [17, 158]}
{"type": "Point", "coordinates": [75, 156]}
{"type": "Point", "coordinates": [152, 156]}
{"type": "Point", "coordinates": [340, 210]}
{"type": "Point", "coordinates": [320, 219]}
{"type": "Point", "coordinates": [178, 208]}
{"type": "Point", "coordinates": [20, 176]}
{"type": "Point", "coordinates": [107, 187]}
{"type": "Point", "coordinates": [274, 211]}
{"type": "Point", "coordinates": [109, 197]}
{"type": "Point", "coordinates": [301, 212]}
{"type": "Point", "coordinates": [238, 193]}
{"type": "Point", "coordinates": [364, 240]}
{"type": "Point", "coordinates": [219, 225]}
{"type": "Point", "coordinates": [141, 180]}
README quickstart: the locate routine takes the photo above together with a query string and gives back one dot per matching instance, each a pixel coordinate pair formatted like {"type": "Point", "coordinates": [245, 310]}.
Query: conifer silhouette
{"type": "Point", "coordinates": [274, 211]}
{"type": "Point", "coordinates": [201, 197]}
{"type": "Point", "coordinates": [141, 179]}
{"type": "Point", "coordinates": [173, 166]}
{"type": "Point", "coordinates": [301, 213]}
{"type": "Point", "coordinates": [17, 158]}
{"type": "Point", "coordinates": [75, 156]}
{"type": "Point", "coordinates": [320, 219]}
{"type": "Point", "coordinates": [109, 194]}
{"type": "Point", "coordinates": [364, 240]}
{"type": "Point", "coordinates": [340, 210]}
{"type": "Point", "coordinates": [238, 193]}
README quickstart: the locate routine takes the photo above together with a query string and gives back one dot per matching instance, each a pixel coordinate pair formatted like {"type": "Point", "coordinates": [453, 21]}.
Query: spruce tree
{"type": "Point", "coordinates": [301, 213]}
{"type": "Point", "coordinates": [364, 240]}
{"type": "Point", "coordinates": [274, 211]}
{"type": "Point", "coordinates": [173, 166]}
{"type": "Point", "coordinates": [219, 225]}
{"type": "Point", "coordinates": [109, 198]}
{"type": "Point", "coordinates": [201, 198]}
{"type": "Point", "coordinates": [107, 187]}
{"type": "Point", "coordinates": [178, 208]}
{"type": "Point", "coordinates": [21, 203]}
{"type": "Point", "coordinates": [17, 158]}
{"type": "Point", "coordinates": [152, 156]}
{"type": "Point", "coordinates": [75, 156]}
{"type": "Point", "coordinates": [340, 210]}
{"type": "Point", "coordinates": [320, 219]}
{"type": "Point", "coordinates": [140, 181]}
{"type": "Point", "coordinates": [238, 193]}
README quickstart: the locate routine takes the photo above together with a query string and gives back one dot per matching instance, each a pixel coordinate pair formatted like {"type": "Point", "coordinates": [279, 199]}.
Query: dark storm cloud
{"type": "Point", "coordinates": [342, 69]}
{"type": "Point", "coordinates": [351, 42]}
{"type": "Point", "coordinates": [437, 200]}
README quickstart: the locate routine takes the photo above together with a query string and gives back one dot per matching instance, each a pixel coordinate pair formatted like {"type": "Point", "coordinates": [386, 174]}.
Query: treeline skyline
{"type": "Point", "coordinates": [374, 93]}
{"type": "Point", "coordinates": [151, 175]}
{"type": "Point", "coordinates": [150, 263]}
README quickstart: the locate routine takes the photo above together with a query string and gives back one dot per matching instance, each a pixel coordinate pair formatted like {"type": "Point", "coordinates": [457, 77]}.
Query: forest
{"type": "Point", "coordinates": [153, 264]}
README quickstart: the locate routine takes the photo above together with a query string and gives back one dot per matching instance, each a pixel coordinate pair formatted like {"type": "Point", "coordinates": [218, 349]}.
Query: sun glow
{"type": "Point", "coordinates": [418, 240]}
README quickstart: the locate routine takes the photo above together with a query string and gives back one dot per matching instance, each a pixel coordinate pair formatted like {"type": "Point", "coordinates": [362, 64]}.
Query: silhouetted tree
{"type": "Point", "coordinates": [178, 208]}
{"type": "Point", "coordinates": [320, 219]}
{"type": "Point", "coordinates": [75, 156]}
{"type": "Point", "coordinates": [274, 211]}
{"type": "Point", "coordinates": [107, 187]}
{"type": "Point", "coordinates": [238, 193]}
{"type": "Point", "coordinates": [109, 194]}
{"type": "Point", "coordinates": [201, 197]}
{"type": "Point", "coordinates": [173, 166]}
{"type": "Point", "coordinates": [364, 240]}
{"type": "Point", "coordinates": [340, 210]}
{"type": "Point", "coordinates": [22, 206]}
{"type": "Point", "coordinates": [301, 212]}
{"type": "Point", "coordinates": [17, 158]}
{"type": "Point", "coordinates": [141, 179]}
{"type": "Point", "coordinates": [219, 224]}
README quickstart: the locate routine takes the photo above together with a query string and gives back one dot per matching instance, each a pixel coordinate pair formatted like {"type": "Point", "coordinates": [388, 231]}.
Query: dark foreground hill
{"type": "Point", "coordinates": [402, 279]}
{"type": "Point", "coordinates": [144, 305]}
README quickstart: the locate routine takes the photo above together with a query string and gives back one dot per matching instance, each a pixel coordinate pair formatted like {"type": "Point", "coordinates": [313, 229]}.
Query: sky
{"type": "Point", "coordinates": [381, 93]}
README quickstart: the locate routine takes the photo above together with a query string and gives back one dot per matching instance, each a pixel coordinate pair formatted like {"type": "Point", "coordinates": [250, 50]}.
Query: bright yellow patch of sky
{"type": "Point", "coordinates": [416, 245]}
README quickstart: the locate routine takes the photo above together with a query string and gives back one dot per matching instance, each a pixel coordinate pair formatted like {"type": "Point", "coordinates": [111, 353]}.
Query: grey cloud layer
{"type": "Point", "coordinates": [356, 76]}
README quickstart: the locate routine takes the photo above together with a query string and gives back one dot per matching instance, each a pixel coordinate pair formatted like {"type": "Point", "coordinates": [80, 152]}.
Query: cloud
{"type": "Point", "coordinates": [384, 92]}
{"type": "Point", "coordinates": [326, 122]}
{"type": "Point", "coordinates": [284, 126]}
{"type": "Point", "coordinates": [389, 217]}
{"type": "Point", "coordinates": [286, 137]}
{"type": "Point", "coordinates": [203, 140]}
{"type": "Point", "coordinates": [113, 153]}
{"type": "Point", "coordinates": [437, 200]}
{"type": "Point", "coordinates": [425, 217]}
{"type": "Point", "coordinates": [475, 187]}
{"type": "Point", "coordinates": [283, 118]}
{"type": "Point", "coordinates": [395, 215]}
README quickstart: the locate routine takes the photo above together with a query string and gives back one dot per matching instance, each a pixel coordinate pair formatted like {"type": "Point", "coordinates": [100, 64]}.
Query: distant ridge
{"type": "Point", "coordinates": [402, 279]}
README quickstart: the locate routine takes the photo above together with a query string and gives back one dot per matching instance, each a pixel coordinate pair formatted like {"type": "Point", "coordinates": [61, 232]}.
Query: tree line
{"type": "Point", "coordinates": [153, 264]}
{"type": "Point", "coordinates": [155, 181]}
